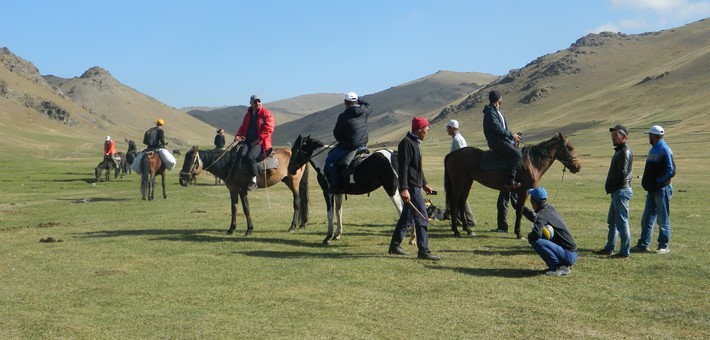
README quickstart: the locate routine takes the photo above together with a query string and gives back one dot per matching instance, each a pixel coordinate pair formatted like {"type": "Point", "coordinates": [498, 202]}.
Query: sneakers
{"type": "Point", "coordinates": [251, 186]}
{"type": "Point", "coordinates": [560, 271]}
{"type": "Point", "coordinates": [428, 256]}
{"type": "Point", "coordinates": [639, 249]}
{"type": "Point", "coordinates": [604, 252]}
{"type": "Point", "coordinates": [663, 251]}
{"type": "Point", "coordinates": [397, 251]}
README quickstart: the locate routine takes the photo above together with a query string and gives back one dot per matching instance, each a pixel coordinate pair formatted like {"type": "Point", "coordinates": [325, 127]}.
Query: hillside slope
{"type": "Point", "coordinates": [602, 80]}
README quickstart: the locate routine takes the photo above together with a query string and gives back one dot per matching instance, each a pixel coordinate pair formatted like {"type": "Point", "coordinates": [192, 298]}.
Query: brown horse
{"type": "Point", "coordinates": [151, 165]}
{"type": "Point", "coordinates": [224, 165]}
{"type": "Point", "coordinates": [463, 166]}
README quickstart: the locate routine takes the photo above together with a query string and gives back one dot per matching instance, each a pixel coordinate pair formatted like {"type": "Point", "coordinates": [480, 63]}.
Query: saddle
{"type": "Point", "coordinates": [264, 162]}
{"type": "Point", "coordinates": [347, 170]}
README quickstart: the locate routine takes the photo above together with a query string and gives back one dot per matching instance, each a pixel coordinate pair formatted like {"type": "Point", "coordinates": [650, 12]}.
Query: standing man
{"type": "Point", "coordinates": [656, 180]}
{"type": "Point", "coordinates": [219, 140]}
{"type": "Point", "coordinates": [110, 149]}
{"type": "Point", "coordinates": [618, 184]}
{"type": "Point", "coordinates": [255, 131]}
{"type": "Point", "coordinates": [411, 184]}
{"type": "Point", "coordinates": [560, 251]}
{"type": "Point", "coordinates": [500, 139]}
{"type": "Point", "coordinates": [351, 134]}
{"type": "Point", "coordinates": [458, 142]}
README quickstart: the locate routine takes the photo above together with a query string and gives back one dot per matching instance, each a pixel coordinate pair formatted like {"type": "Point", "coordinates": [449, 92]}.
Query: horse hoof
{"type": "Point", "coordinates": [292, 230]}
{"type": "Point", "coordinates": [248, 233]}
{"type": "Point", "coordinates": [336, 238]}
{"type": "Point", "coordinates": [457, 235]}
{"type": "Point", "coordinates": [230, 231]}
{"type": "Point", "coordinates": [469, 232]}
{"type": "Point", "coordinates": [144, 198]}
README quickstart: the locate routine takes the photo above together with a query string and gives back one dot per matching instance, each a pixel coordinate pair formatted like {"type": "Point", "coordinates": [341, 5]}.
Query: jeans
{"type": "Point", "coordinates": [250, 158]}
{"type": "Point", "coordinates": [554, 255]}
{"type": "Point", "coordinates": [331, 164]}
{"type": "Point", "coordinates": [408, 216]}
{"type": "Point", "coordinates": [657, 210]}
{"type": "Point", "coordinates": [618, 220]}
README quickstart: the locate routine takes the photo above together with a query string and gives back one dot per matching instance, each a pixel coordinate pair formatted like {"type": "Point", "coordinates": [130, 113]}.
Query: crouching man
{"type": "Point", "coordinates": [559, 251]}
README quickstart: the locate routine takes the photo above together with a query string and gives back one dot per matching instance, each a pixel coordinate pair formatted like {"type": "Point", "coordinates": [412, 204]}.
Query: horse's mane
{"type": "Point", "coordinates": [223, 164]}
{"type": "Point", "coordinates": [538, 153]}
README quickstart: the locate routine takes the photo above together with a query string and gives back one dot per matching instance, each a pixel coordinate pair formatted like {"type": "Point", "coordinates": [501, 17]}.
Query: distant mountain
{"type": "Point", "coordinates": [284, 110]}
{"type": "Point", "coordinates": [392, 108]}
{"type": "Point", "coordinates": [602, 80]}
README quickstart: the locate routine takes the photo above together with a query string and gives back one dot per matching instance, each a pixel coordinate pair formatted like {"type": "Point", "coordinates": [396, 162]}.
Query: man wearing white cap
{"type": "Point", "coordinates": [657, 174]}
{"type": "Point", "coordinates": [351, 134]}
{"type": "Point", "coordinates": [110, 149]}
{"type": "Point", "coordinates": [458, 142]}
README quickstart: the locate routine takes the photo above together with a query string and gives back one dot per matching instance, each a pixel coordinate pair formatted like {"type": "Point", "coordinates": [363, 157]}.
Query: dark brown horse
{"type": "Point", "coordinates": [118, 165]}
{"type": "Point", "coordinates": [463, 166]}
{"type": "Point", "coordinates": [151, 165]}
{"type": "Point", "coordinates": [225, 165]}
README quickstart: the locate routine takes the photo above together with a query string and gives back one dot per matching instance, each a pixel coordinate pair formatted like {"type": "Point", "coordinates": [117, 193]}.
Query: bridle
{"type": "Point", "coordinates": [569, 163]}
{"type": "Point", "coordinates": [196, 164]}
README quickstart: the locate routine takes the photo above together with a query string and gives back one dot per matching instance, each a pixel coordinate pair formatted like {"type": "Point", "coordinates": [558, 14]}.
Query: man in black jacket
{"type": "Point", "coordinates": [559, 251]}
{"type": "Point", "coordinates": [618, 184]}
{"type": "Point", "coordinates": [351, 134]}
{"type": "Point", "coordinates": [411, 184]}
{"type": "Point", "coordinates": [500, 139]}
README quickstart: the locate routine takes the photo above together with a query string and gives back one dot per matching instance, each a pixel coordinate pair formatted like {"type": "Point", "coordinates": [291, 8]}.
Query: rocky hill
{"type": "Point", "coordinates": [605, 79]}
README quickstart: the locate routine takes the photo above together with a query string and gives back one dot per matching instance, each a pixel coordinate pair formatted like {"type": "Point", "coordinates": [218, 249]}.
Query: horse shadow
{"type": "Point", "coordinates": [302, 254]}
{"type": "Point", "coordinates": [69, 180]}
{"type": "Point", "coordinates": [513, 273]}
{"type": "Point", "coordinates": [93, 199]}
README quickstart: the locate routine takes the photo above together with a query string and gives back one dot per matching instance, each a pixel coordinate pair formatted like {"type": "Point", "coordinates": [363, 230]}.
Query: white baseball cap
{"type": "Point", "coordinates": [108, 138]}
{"type": "Point", "coordinates": [655, 130]}
{"type": "Point", "coordinates": [351, 96]}
{"type": "Point", "coordinates": [453, 124]}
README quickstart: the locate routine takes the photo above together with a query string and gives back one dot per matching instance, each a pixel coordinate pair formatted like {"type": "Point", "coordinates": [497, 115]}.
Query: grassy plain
{"type": "Point", "coordinates": [128, 268]}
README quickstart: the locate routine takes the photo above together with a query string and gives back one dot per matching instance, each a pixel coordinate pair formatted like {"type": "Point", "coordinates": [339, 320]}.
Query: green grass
{"type": "Point", "coordinates": [128, 268]}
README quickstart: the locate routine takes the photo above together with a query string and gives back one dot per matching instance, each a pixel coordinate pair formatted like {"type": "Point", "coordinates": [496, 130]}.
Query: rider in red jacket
{"type": "Point", "coordinates": [255, 131]}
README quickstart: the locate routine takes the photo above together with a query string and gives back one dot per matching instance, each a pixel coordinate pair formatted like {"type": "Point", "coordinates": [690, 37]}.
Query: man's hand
{"type": "Point", "coordinates": [427, 189]}
{"type": "Point", "coordinates": [405, 195]}
{"type": "Point", "coordinates": [516, 137]}
{"type": "Point", "coordinates": [238, 138]}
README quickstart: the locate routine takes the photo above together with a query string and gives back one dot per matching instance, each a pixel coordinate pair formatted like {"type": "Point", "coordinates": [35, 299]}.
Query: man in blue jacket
{"type": "Point", "coordinates": [656, 180]}
{"type": "Point", "coordinates": [500, 139]}
{"type": "Point", "coordinates": [559, 251]}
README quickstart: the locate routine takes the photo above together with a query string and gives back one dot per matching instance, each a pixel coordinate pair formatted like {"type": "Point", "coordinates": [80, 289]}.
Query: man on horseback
{"type": "Point", "coordinates": [132, 148]}
{"type": "Point", "coordinates": [154, 139]}
{"type": "Point", "coordinates": [110, 150]}
{"type": "Point", "coordinates": [351, 134]}
{"type": "Point", "coordinates": [500, 139]}
{"type": "Point", "coordinates": [255, 132]}
{"type": "Point", "coordinates": [411, 183]}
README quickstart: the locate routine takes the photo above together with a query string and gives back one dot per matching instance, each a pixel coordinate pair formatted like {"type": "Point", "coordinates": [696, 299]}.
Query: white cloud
{"type": "Point", "coordinates": [673, 10]}
{"type": "Point", "coordinates": [623, 26]}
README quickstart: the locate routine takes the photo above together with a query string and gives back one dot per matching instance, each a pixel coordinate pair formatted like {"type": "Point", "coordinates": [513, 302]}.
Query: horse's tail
{"type": "Point", "coordinates": [303, 194]}
{"type": "Point", "coordinates": [449, 190]}
{"type": "Point", "coordinates": [145, 173]}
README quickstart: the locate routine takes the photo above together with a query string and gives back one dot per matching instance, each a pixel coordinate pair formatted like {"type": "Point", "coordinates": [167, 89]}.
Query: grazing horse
{"type": "Point", "coordinates": [224, 165]}
{"type": "Point", "coordinates": [377, 170]}
{"type": "Point", "coordinates": [118, 166]}
{"type": "Point", "coordinates": [151, 165]}
{"type": "Point", "coordinates": [463, 166]}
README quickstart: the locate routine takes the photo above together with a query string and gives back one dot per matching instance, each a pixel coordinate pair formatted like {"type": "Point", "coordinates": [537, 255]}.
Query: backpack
{"type": "Point", "coordinates": [151, 137]}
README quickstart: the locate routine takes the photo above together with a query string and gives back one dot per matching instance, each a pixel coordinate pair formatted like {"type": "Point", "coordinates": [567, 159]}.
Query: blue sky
{"type": "Point", "coordinates": [215, 53]}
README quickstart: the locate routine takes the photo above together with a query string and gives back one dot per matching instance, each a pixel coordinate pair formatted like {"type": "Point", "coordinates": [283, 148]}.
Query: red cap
{"type": "Point", "coordinates": [419, 122]}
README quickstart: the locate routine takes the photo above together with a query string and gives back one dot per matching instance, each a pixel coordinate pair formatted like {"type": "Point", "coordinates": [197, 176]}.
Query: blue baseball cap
{"type": "Point", "coordinates": [539, 194]}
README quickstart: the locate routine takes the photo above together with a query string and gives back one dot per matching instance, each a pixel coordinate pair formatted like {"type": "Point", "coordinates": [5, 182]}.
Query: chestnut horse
{"type": "Point", "coordinates": [151, 165]}
{"type": "Point", "coordinates": [463, 166]}
{"type": "Point", "coordinates": [224, 165]}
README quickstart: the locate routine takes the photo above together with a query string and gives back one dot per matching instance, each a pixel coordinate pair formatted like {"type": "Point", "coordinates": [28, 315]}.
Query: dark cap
{"type": "Point", "coordinates": [494, 96]}
{"type": "Point", "coordinates": [620, 127]}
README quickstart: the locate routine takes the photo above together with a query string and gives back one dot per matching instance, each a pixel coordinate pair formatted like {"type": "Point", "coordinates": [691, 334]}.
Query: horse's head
{"type": "Point", "coordinates": [190, 167]}
{"type": "Point", "coordinates": [567, 156]}
{"type": "Point", "coordinates": [301, 152]}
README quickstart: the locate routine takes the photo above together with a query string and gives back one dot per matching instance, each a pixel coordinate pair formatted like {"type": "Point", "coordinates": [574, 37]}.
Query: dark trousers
{"type": "Point", "coordinates": [510, 153]}
{"type": "Point", "coordinates": [420, 223]}
{"type": "Point", "coordinates": [250, 158]}
{"type": "Point", "coordinates": [503, 198]}
{"type": "Point", "coordinates": [335, 157]}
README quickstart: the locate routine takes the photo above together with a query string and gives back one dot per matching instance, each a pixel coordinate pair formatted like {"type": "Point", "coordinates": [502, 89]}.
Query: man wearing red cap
{"type": "Point", "coordinates": [411, 184]}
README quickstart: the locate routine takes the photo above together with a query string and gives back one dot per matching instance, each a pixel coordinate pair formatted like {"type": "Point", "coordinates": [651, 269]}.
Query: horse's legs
{"type": "Point", "coordinates": [162, 174]}
{"type": "Point", "coordinates": [338, 216]}
{"type": "Point", "coordinates": [296, 206]}
{"type": "Point", "coordinates": [234, 200]}
{"type": "Point", "coordinates": [151, 187]}
{"type": "Point", "coordinates": [519, 206]}
{"type": "Point", "coordinates": [245, 208]}
{"type": "Point", "coordinates": [329, 206]}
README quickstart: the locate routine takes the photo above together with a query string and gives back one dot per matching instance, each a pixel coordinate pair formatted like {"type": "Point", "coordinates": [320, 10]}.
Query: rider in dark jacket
{"type": "Point", "coordinates": [500, 139]}
{"type": "Point", "coordinates": [351, 134]}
